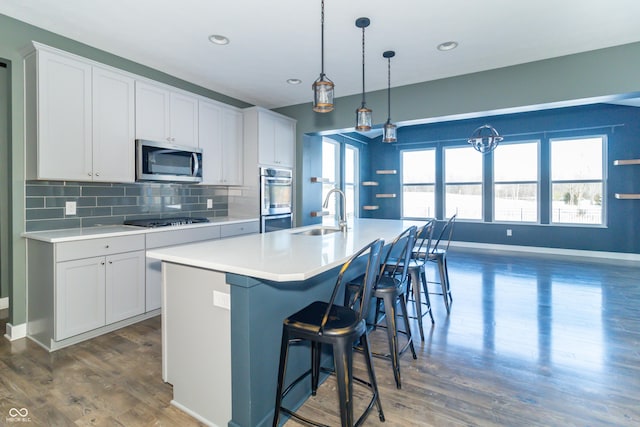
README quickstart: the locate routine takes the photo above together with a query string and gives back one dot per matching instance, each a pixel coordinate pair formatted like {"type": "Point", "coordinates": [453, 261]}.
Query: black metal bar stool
{"type": "Point", "coordinates": [438, 254]}
{"type": "Point", "coordinates": [326, 323]}
{"type": "Point", "coordinates": [417, 274]}
{"type": "Point", "coordinates": [389, 290]}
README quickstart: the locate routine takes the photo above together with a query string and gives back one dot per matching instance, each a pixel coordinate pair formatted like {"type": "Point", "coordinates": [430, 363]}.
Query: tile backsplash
{"type": "Point", "coordinates": [111, 204]}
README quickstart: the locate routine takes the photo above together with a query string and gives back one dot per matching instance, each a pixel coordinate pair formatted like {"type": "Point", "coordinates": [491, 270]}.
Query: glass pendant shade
{"type": "Point", "coordinates": [323, 86]}
{"type": "Point", "coordinates": [323, 95]}
{"type": "Point", "coordinates": [485, 139]}
{"type": "Point", "coordinates": [363, 118]}
{"type": "Point", "coordinates": [389, 132]}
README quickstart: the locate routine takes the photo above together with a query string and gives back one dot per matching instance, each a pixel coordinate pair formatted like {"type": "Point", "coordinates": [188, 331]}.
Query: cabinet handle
{"type": "Point", "coordinates": [97, 173]}
{"type": "Point", "coordinates": [110, 262]}
{"type": "Point", "coordinates": [106, 246]}
{"type": "Point", "coordinates": [102, 263]}
{"type": "Point", "coordinates": [89, 173]}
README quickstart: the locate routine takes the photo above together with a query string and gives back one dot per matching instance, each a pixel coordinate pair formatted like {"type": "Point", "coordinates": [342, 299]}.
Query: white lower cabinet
{"type": "Point", "coordinates": [81, 289]}
{"type": "Point", "coordinates": [80, 296]}
{"type": "Point", "coordinates": [95, 292]}
{"type": "Point", "coordinates": [125, 287]}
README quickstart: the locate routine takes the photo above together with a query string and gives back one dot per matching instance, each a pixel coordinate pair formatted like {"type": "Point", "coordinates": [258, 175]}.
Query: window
{"type": "Point", "coordinates": [418, 183]}
{"type": "Point", "coordinates": [331, 167]}
{"type": "Point", "coordinates": [577, 186]}
{"type": "Point", "coordinates": [515, 178]}
{"type": "Point", "coordinates": [463, 182]}
{"type": "Point", "coordinates": [351, 179]}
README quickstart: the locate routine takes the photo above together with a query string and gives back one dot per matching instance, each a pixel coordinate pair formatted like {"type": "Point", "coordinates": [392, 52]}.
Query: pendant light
{"type": "Point", "coordinates": [363, 114]}
{"type": "Point", "coordinates": [485, 139]}
{"type": "Point", "coordinates": [323, 86]}
{"type": "Point", "coordinates": [389, 129]}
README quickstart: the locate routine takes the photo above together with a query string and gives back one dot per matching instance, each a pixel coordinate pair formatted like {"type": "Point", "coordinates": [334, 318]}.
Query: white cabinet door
{"type": "Point", "coordinates": [125, 286]}
{"type": "Point", "coordinates": [64, 118]}
{"type": "Point", "coordinates": [184, 119]}
{"type": "Point", "coordinates": [152, 112]}
{"type": "Point", "coordinates": [276, 138]}
{"type": "Point", "coordinates": [80, 296]}
{"type": "Point", "coordinates": [220, 137]}
{"type": "Point", "coordinates": [113, 126]}
{"type": "Point", "coordinates": [210, 140]}
{"type": "Point", "coordinates": [284, 132]}
{"type": "Point", "coordinates": [266, 139]}
{"type": "Point", "coordinates": [232, 146]}
{"type": "Point", "coordinates": [163, 115]}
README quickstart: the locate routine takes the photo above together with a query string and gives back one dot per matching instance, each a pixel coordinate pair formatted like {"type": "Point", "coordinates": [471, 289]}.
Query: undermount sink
{"type": "Point", "coordinates": [320, 231]}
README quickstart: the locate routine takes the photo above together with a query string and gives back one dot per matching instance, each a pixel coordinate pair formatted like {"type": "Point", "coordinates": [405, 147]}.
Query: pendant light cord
{"type": "Point", "coordinates": [363, 96]}
{"type": "Point", "coordinates": [322, 40]}
{"type": "Point", "coordinates": [389, 89]}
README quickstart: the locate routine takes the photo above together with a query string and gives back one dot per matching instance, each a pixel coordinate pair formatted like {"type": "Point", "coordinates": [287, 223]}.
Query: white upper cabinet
{"type": "Point", "coordinates": [220, 137]}
{"type": "Point", "coordinates": [165, 115]}
{"type": "Point", "coordinates": [272, 135]}
{"type": "Point", "coordinates": [113, 126]}
{"type": "Point", "coordinates": [80, 119]}
{"type": "Point", "coordinates": [62, 105]}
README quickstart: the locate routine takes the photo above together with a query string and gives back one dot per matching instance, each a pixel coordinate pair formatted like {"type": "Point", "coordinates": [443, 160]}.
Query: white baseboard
{"type": "Point", "coordinates": [16, 332]}
{"type": "Point", "coordinates": [619, 256]}
{"type": "Point", "coordinates": [4, 303]}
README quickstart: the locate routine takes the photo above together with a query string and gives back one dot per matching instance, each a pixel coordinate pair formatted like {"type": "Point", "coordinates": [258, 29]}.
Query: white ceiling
{"type": "Point", "coordinates": [273, 40]}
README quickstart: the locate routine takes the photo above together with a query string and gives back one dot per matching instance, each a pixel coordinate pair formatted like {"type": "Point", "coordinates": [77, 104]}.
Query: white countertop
{"type": "Point", "coordinates": [73, 234]}
{"type": "Point", "coordinates": [282, 255]}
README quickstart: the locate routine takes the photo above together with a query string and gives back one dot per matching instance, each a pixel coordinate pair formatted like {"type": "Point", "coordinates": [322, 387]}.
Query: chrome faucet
{"type": "Point", "coordinates": [342, 220]}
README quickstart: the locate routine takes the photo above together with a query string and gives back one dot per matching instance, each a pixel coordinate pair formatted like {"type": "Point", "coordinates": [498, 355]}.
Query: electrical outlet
{"type": "Point", "coordinates": [509, 232]}
{"type": "Point", "coordinates": [70, 208]}
{"type": "Point", "coordinates": [209, 203]}
{"type": "Point", "coordinates": [222, 300]}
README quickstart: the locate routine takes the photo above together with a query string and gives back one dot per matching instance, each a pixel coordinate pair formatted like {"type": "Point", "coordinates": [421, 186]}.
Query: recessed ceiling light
{"type": "Point", "coordinates": [450, 45]}
{"type": "Point", "coordinates": [218, 39]}
{"type": "Point", "coordinates": [294, 81]}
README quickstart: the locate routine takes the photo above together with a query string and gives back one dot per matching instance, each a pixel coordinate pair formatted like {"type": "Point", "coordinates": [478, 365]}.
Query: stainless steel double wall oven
{"type": "Point", "coordinates": [276, 199]}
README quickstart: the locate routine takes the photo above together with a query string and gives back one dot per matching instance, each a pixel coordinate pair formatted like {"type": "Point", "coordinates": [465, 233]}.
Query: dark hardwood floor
{"type": "Point", "coordinates": [530, 341]}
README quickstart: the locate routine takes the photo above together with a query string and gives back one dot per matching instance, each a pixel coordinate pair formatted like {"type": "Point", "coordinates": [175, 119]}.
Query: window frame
{"type": "Point", "coordinates": [463, 183]}
{"type": "Point", "coordinates": [537, 182]}
{"type": "Point", "coordinates": [419, 184]}
{"type": "Point", "coordinates": [603, 181]}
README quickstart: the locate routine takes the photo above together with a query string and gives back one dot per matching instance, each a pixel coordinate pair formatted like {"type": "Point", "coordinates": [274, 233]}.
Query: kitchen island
{"type": "Point", "coordinates": [223, 307]}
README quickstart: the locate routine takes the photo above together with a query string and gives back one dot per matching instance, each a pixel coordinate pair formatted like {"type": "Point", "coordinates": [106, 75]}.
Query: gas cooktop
{"type": "Point", "coordinates": [165, 222]}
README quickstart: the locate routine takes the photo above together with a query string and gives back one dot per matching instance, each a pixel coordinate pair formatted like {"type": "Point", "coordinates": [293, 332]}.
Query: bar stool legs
{"type": "Point", "coordinates": [441, 259]}
{"type": "Point", "coordinates": [417, 278]}
{"type": "Point", "coordinates": [389, 301]}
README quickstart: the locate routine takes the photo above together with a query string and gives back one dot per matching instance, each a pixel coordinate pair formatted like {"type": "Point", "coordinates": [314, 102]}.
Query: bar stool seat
{"type": "Point", "coordinates": [325, 323]}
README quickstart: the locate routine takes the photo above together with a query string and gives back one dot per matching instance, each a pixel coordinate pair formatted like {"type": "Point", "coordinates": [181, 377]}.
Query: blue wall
{"type": "Point", "coordinates": [620, 124]}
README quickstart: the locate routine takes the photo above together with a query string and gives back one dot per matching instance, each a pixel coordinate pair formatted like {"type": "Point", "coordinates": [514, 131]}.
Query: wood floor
{"type": "Point", "coordinates": [530, 341]}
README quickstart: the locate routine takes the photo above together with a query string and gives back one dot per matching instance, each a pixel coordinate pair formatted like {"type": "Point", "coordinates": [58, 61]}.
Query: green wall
{"type": "Point", "coordinates": [583, 78]}
{"type": "Point", "coordinates": [15, 36]}
{"type": "Point", "coordinates": [5, 103]}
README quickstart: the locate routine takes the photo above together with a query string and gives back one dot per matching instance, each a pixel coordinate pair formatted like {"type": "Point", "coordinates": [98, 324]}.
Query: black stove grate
{"type": "Point", "coordinates": [165, 222]}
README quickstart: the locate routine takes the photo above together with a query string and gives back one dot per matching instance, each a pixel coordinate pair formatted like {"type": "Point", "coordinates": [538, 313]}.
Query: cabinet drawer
{"type": "Point", "coordinates": [228, 230]}
{"type": "Point", "coordinates": [181, 236]}
{"type": "Point", "coordinates": [98, 247]}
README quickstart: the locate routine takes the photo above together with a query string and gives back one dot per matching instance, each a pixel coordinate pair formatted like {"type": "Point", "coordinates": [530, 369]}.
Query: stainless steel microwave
{"type": "Point", "coordinates": [161, 161]}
